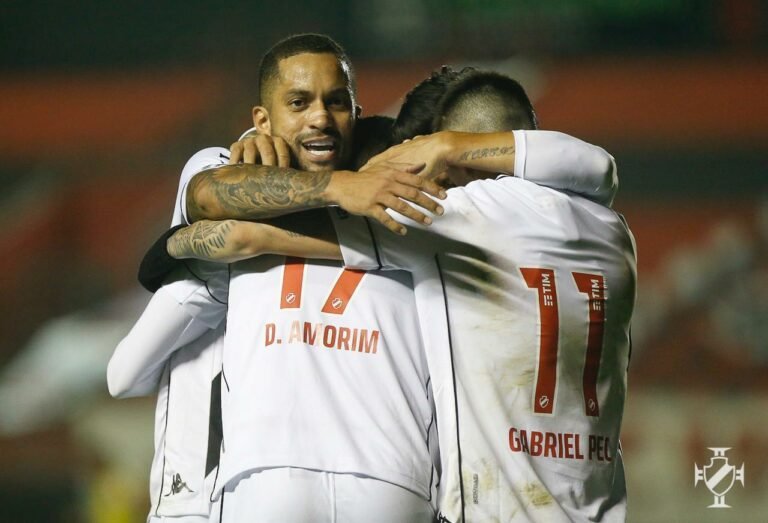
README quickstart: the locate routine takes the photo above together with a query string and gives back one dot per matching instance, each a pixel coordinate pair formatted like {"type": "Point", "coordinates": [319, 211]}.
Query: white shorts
{"type": "Point", "coordinates": [294, 495]}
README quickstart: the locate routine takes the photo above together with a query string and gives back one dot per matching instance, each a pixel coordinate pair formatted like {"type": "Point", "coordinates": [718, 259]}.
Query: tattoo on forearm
{"type": "Point", "coordinates": [200, 240]}
{"type": "Point", "coordinates": [474, 154]}
{"type": "Point", "coordinates": [258, 191]}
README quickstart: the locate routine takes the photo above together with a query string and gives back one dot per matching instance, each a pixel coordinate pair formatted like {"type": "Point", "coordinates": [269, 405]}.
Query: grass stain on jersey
{"type": "Point", "coordinates": [537, 494]}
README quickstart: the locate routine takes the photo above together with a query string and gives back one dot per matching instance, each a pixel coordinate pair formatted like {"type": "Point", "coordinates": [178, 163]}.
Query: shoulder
{"type": "Point", "coordinates": [205, 159]}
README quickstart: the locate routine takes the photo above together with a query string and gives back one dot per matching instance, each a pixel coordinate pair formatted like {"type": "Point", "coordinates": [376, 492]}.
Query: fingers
{"type": "Point", "coordinates": [283, 152]}
{"type": "Point", "coordinates": [400, 206]}
{"type": "Point", "coordinates": [250, 152]}
{"type": "Point", "coordinates": [235, 153]}
{"type": "Point", "coordinates": [266, 150]}
{"type": "Point", "coordinates": [387, 221]}
{"type": "Point", "coordinates": [422, 184]}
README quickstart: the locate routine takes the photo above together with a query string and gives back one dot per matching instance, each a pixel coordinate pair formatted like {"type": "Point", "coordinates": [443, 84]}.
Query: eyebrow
{"type": "Point", "coordinates": [297, 92]}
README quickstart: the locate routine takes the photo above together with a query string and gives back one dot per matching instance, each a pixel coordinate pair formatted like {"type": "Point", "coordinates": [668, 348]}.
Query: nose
{"type": "Point", "coordinates": [319, 117]}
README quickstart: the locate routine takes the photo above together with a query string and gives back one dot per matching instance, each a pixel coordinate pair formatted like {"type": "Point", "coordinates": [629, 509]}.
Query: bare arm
{"type": "Point", "coordinates": [309, 235]}
{"type": "Point", "coordinates": [256, 192]}
{"type": "Point", "coordinates": [489, 152]}
{"type": "Point", "coordinates": [548, 158]}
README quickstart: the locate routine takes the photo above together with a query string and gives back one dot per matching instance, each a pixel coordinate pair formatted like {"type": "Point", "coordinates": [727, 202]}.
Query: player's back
{"type": "Point", "coordinates": [331, 361]}
{"type": "Point", "coordinates": [187, 430]}
{"type": "Point", "coordinates": [539, 300]}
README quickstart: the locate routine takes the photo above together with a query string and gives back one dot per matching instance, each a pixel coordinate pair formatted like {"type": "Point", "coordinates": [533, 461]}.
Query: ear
{"type": "Point", "coordinates": [358, 111]}
{"type": "Point", "coordinates": [261, 120]}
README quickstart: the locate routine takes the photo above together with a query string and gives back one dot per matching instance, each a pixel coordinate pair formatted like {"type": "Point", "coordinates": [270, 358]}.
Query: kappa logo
{"type": "Point", "coordinates": [719, 476]}
{"type": "Point", "coordinates": [178, 485]}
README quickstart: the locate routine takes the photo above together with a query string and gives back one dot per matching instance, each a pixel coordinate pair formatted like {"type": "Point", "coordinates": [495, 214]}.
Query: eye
{"type": "Point", "coordinates": [297, 103]}
{"type": "Point", "coordinates": [339, 102]}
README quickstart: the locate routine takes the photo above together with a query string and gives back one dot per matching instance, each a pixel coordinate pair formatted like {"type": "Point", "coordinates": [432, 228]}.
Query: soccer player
{"type": "Point", "coordinates": [313, 433]}
{"type": "Point", "coordinates": [524, 296]}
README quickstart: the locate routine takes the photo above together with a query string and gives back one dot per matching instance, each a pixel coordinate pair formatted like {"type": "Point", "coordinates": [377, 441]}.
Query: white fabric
{"type": "Point", "coordinates": [290, 495]}
{"type": "Point", "coordinates": [175, 349]}
{"type": "Point", "coordinates": [207, 158]}
{"type": "Point", "coordinates": [346, 411]}
{"type": "Point", "coordinates": [563, 162]}
{"type": "Point", "coordinates": [182, 413]}
{"type": "Point", "coordinates": [345, 390]}
{"type": "Point", "coordinates": [469, 283]}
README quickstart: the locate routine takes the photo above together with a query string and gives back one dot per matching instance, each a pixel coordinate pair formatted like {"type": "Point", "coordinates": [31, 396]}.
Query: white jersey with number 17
{"type": "Point", "coordinates": [324, 369]}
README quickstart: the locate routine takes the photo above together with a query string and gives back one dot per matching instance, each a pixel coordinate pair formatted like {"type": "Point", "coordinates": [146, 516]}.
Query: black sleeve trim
{"type": "Point", "coordinates": [375, 243]}
{"type": "Point", "coordinates": [157, 263]}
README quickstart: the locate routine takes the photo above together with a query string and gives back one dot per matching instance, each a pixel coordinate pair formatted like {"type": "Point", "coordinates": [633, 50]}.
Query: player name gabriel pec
{"type": "Point", "coordinates": [321, 335]}
{"type": "Point", "coordinates": [567, 445]}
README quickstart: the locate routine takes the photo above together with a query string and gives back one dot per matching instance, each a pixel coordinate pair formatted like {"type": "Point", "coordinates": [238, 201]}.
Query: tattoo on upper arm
{"type": "Point", "coordinates": [200, 240]}
{"type": "Point", "coordinates": [258, 191]}
{"type": "Point", "coordinates": [474, 154]}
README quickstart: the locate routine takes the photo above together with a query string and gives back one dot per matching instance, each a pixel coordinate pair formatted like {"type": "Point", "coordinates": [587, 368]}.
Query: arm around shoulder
{"type": "Point", "coordinates": [137, 363]}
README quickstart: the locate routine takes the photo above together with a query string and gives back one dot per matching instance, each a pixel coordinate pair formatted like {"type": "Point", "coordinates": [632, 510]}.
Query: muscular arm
{"type": "Point", "coordinates": [548, 158]}
{"type": "Point", "coordinates": [251, 192]}
{"type": "Point", "coordinates": [256, 192]}
{"type": "Point", "coordinates": [308, 234]}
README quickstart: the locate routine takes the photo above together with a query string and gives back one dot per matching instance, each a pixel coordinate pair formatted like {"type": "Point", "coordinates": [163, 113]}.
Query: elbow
{"type": "Point", "coordinates": [119, 381]}
{"type": "Point", "coordinates": [611, 180]}
{"type": "Point", "coordinates": [605, 164]}
{"type": "Point", "coordinates": [117, 387]}
{"type": "Point", "coordinates": [246, 240]}
{"type": "Point", "coordinates": [201, 202]}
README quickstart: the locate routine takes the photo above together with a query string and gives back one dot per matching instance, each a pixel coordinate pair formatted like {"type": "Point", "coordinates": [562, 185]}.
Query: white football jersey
{"type": "Point", "coordinates": [524, 296]}
{"type": "Point", "coordinates": [324, 368]}
{"type": "Point", "coordinates": [188, 410]}
{"type": "Point", "coordinates": [188, 429]}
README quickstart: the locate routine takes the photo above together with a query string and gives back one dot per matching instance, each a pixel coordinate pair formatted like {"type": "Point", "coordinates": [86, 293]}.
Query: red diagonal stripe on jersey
{"type": "Point", "coordinates": [593, 285]}
{"type": "Point", "coordinates": [543, 280]}
{"type": "Point", "coordinates": [293, 278]}
{"type": "Point", "coordinates": [342, 292]}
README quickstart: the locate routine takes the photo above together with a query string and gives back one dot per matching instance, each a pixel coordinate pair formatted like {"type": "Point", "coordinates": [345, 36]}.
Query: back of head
{"type": "Point", "coordinates": [299, 44]}
{"type": "Point", "coordinates": [484, 102]}
{"type": "Point", "coordinates": [420, 105]}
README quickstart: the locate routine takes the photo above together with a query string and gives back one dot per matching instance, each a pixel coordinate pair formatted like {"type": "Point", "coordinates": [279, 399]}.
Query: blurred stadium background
{"type": "Point", "coordinates": [102, 102]}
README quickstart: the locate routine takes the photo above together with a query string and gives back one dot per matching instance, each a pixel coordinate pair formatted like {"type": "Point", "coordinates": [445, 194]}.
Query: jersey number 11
{"type": "Point", "coordinates": [593, 285]}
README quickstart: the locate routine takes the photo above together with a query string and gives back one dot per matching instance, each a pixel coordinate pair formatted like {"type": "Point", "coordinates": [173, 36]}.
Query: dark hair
{"type": "Point", "coordinates": [420, 105]}
{"type": "Point", "coordinates": [477, 96]}
{"type": "Point", "coordinates": [299, 44]}
{"type": "Point", "coordinates": [373, 134]}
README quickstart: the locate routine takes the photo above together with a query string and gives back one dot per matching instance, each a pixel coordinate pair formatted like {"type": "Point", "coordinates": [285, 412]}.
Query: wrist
{"type": "Point", "coordinates": [449, 148]}
{"type": "Point", "coordinates": [333, 193]}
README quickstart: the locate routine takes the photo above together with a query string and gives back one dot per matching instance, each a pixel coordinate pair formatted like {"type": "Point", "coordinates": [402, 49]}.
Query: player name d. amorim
{"type": "Point", "coordinates": [351, 339]}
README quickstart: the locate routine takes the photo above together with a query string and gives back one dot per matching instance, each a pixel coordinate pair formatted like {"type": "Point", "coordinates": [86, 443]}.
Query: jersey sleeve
{"type": "Point", "coordinates": [200, 161]}
{"type": "Point", "coordinates": [560, 161]}
{"type": "Point", "coordinates": [178, 313]}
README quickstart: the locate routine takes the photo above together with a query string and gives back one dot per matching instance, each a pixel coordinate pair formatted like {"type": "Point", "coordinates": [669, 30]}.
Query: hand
{"type": "Point", "coordinates": [386, 185]}
{"type": "Point", "coordinates": [262, 149]}
{"type": "Point", "coordinates": [430, 150]}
